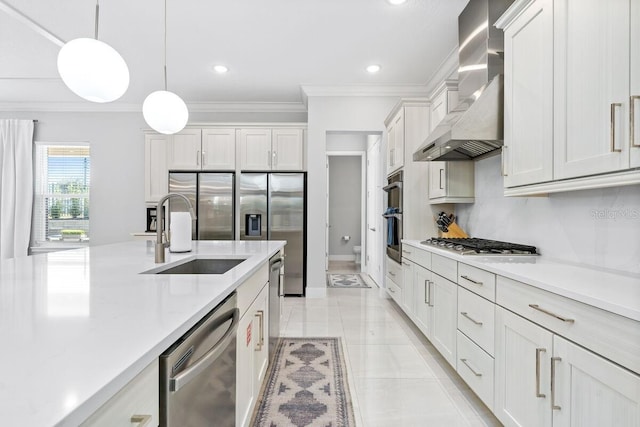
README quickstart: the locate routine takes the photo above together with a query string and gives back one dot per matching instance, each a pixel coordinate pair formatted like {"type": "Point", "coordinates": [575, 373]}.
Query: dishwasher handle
{"type": "Point", "coordinates": [276, 264]}
{"type": "Point", "coordinates": [183, 378]}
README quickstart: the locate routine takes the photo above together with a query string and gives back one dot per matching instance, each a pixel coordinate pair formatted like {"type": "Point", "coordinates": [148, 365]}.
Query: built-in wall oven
{"type": "Point", "coordinates": [393, 215]}
{"type": "Point", "coordinates": [198, 372]}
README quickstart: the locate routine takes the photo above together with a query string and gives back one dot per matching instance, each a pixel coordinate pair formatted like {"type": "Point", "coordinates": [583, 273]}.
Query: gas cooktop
{"type": "Point", "coordinates": [475, 246]}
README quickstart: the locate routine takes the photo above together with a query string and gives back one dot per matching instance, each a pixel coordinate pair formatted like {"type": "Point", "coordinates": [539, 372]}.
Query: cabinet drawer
{"type": "Point", "coordinates": [476, 318]}
{"type": "Point", "coordinates": [249, 290]}
{"type": "Point", "coordinates": [444, 267]}
{"type": "Point", "coordinates": [478, 281]}
{"type": "Point", "coordinates": [140, 397]}
{"type": "Point", "coordinates": [394, 272]}
{"type": "Point", "coordinates": [394, 291]}
{"type": "Point", "coordinates": [476, 369]}
{"type": "Point", "coordinates": [614, 337]}
{"type": "Point", "coordinates": [416, 255]}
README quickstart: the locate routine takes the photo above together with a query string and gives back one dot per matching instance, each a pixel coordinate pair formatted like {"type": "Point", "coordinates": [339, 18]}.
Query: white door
{"type": "Point", "coordinates": [591, 391]}
{"type": "Point", "coordinates": [444, 301]}
{"type": "Point", "coordinates": [591, 87]}
{"type": "Point", "coordinates": [288, 149]}
{"type": "Point", "coordinates": [522, 386]}
{"type": "Point", "coordinates": [374, 248]}
{"type": "Point", "coordinates": [255, 149]}
{"type": "Point", "coordinates": [422, 291]}
{"type": "Point", "coordinates": [184, 150]}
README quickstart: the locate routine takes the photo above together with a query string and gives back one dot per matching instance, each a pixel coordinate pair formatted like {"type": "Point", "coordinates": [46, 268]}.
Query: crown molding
{"type": "Point", "coordinates": [447, 69]}
{"type": "Point", "coordinates": [403, 91]}
{"type": "Point", "coordinates": [197, 107]}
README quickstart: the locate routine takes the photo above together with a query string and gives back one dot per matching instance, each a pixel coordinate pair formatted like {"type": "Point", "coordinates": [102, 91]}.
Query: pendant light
{"type": "Point", "coordinates": [165, 111]}
{"type": "Point", "coordinates": [92, 69]}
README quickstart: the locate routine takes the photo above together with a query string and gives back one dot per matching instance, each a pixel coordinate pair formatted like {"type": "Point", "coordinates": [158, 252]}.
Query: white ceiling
{"type": "Point", "coordinates": [272, 47]}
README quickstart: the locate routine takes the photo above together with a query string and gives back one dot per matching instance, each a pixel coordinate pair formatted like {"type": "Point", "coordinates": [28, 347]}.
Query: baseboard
{"type": "Point", "coordinates": [342, 257]}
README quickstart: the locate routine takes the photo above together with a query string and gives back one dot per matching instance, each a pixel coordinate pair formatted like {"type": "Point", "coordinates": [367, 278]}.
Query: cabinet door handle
{"type": "Point", "coordinates": [471, 280]}
{"type": "Point", "coordinates": [260, 316]}
{"type": "Point", "coordinates": [464, 313]}
{"type": "Point", "coordinates": [429, 289]}
{"type": "Point", "coordinates": [142, 420]}
{"type": "Point", "coordinates": [613, 127]}
{"type": "Point", "coordinates": [553, 383]}
{"type": "Point", "coordinates": [502, 168]}
{"type": "Point", "coordinates": [538, 352]}
{"type": "Point", "coordinates": [426, 291]}
{"type": "Point", "coordinates": [632, 120]}
{"type": "Point", "coordinates": [440, 185]}
{"type": "Point", "coordinates": [476, 373]}
{"type": "Point", "coordinates": [557, 316]}
{"type": "Point", "coordinates": [198, 157]}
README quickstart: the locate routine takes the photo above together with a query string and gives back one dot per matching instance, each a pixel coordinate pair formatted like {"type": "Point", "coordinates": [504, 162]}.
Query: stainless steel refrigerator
{"type": "Point", "coordinates": [211, 195]}
{"type": "Point", "coordinates": [273, 207]}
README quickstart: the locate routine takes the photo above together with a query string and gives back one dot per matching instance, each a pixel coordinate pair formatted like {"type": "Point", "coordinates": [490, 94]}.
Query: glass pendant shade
{"type": "Point", "coordinates": [165, 112]}
{"type": "Point", "coordinates": [93, 70]}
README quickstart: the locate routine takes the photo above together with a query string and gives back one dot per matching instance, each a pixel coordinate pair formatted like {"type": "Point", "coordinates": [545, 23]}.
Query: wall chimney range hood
{"type": "Point", "coordinates": [475, 126]}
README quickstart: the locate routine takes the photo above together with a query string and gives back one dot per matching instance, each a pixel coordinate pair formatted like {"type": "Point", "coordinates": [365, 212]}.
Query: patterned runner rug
{"type": "Point", "coordinates": [346, 281]}
{"type": "Point", "coordinates": [306, 386]}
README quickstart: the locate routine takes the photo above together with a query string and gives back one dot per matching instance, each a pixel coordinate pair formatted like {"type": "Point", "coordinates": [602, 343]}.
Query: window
{"type": "Point", "coordinates": [61, 198]}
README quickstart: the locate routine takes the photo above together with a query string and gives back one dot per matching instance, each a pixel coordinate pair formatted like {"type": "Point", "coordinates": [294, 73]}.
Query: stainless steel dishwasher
{"type": "Point", "coordinates": [198, 372]}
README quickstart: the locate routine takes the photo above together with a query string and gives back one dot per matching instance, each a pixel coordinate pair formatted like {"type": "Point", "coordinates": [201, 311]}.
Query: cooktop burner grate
{"type": "Point", "coordinates": [475, 246]}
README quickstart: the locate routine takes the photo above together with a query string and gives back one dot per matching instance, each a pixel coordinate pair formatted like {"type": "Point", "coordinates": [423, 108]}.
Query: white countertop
{"type": "Point", "coordinates": [77, 325]}
{"type": "Point", "coordinates": [617, 293]}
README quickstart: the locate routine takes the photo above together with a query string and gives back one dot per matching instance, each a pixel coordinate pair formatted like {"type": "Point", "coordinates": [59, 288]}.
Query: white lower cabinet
{"type": "Point", "coordinates": [408, 300]}
{"type": "Point", "coordinates": [252, 352]}
{"type": "Point", "coordinates": [590, 391]}
{"type": "Point", "coordinates": [136, 404]}
{"type": "Point", "coordinates": [422, 295]}
{"type": "Point", "coordinates": [475, 366]}
{"type": "Point", "coordinates": [444, 303]}
{"type": "Point", "coordinates": [522, 377]}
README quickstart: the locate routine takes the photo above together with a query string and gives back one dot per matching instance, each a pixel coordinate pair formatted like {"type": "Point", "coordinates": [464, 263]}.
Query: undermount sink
{"type": "Point", "coordinates": [202, 266]}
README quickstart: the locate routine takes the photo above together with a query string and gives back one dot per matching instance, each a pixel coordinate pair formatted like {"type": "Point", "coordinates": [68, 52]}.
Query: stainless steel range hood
{"type": "Point", "coordinates": [475, 126]}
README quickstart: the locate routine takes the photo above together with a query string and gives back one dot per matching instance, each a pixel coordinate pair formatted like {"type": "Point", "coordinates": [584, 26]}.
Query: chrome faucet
{"type": "Point", "coordinates": [160, 241]}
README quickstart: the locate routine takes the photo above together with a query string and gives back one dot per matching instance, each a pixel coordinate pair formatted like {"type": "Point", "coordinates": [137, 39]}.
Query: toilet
{"type": "Point", "coordinates": [357, 250]}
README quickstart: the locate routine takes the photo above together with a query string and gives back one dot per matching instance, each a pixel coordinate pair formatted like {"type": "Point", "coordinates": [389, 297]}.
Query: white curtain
{"type": "Point", "coordinates": [16, 187]}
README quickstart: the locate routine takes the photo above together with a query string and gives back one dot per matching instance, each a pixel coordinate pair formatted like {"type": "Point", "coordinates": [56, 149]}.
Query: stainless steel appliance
{"type": "Point", "coordinates": [273, 207]}
{"type": "Point", "coordinates": [211, 195]}
{"type": "Point", "coordinates": [198, 372]}
{"type": "Point", "coordinates": [393, 216]}
{"type": "Point", "coordinates": [483, 247]}
{"type": "Point", "coordinates": [276, 293]}
{"type": "Point", "coordinates": [475, 126]}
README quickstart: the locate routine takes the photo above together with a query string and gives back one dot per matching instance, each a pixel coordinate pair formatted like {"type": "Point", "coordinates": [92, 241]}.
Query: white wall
{"type": "Point", "coordinates": [598, 228]}
{"type": "Point", "coordinates": [345, 205]}
{"type": "Point", "coordinates": [331, 114]}
{"type": "Point", "coordinates": [117, 166]}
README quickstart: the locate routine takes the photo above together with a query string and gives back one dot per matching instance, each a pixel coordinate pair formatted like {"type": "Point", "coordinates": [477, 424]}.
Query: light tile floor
{"type": "Point", "coordinates": [396, 377]}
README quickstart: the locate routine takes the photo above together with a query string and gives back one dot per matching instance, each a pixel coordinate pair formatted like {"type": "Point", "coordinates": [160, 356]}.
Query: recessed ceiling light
{"type": "Point", "coordinates": [397, 2]}
{"type": "Point", "coordinates": [220, 69]}
{"type": "Point", "coordinates": [374, 68]}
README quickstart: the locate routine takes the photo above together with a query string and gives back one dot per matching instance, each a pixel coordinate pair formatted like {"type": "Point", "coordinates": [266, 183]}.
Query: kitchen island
{"type": "Point", "coordinates": [78, 325]}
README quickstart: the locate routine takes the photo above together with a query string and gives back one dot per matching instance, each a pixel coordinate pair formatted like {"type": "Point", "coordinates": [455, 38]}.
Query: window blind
{"type": "Point", "coordinates": [61, 196]}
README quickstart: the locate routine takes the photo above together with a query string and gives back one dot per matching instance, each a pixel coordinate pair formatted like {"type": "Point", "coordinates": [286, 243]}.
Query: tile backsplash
{"type": "Point", "coordinates": [599, 228]}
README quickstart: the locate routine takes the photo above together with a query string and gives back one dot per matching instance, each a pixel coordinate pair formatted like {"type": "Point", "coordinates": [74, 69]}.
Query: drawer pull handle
{"type": "Point", "coordinates": [471, 280]}
{"type": "Point", "coordinates": [406, 263]}
{"type": "Point", "coordinates": [542, 310]}
{"type": "Point", "coordinates": [392, 291]}
{"type": "Point", "coordinates": [391, 273]}
{"type": "Point", "coordinates": [476, 373]}
{"type": "Point", "coordinates": [405, 251]}
{"type": "Point", "coordinates": [142, 420]}
{"type": "Point", "coordinates": [538, 352]}
{"type": "Point", "coordinates": [430, 304]}
{"type": "Point", "coordinates": [553, 383]}
{"type": "Point", "coordinates": [464, 313]}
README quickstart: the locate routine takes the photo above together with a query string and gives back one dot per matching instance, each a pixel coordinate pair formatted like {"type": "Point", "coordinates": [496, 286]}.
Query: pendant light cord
{"type": "Point", "coordinates": [97, 18]}
{"type": "Point", "coordinates": [165, 45]}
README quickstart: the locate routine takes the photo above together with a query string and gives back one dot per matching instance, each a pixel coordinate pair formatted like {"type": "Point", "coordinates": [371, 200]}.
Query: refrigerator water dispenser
{"type": "Point", "coordinates": [253, 224]}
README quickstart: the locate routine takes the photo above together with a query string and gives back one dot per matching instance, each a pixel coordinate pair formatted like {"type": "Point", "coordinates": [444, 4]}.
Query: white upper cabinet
{"type": "Point", "coordinates": [443, 101]}
{"type": "Point", "coordinates": [395, 142]}
{"type": "Point", "coordinates": [219, 149]}
{"type": "Point", "coordinates": [156, 175]}
{"type": "Point", "coordinates": [451, 182]}
{"type": "Point", "coordinates": [288, 149]}
{"type": "Point", "coordinates": [185, 150]}
{"type": "Point", "coordinates": [634, 99]}
{"type": "Point", "coordinates": [591, 60]}
{"type": "Point", "coordinates": [528, 96]}
{"type": "Point", "coordinates": [267, 149]}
